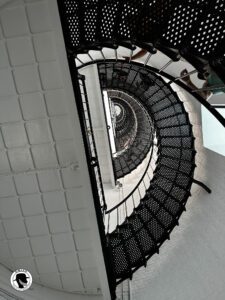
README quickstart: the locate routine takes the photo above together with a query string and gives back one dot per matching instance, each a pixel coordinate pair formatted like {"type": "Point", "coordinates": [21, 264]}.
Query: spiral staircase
{"type": "Point", "coordinates": [152, 220]}
{"type": "Point", "coordinates": [193, 30]}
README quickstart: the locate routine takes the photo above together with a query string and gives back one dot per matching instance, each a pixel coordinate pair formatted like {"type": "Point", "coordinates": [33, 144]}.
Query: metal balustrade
{"type": "Point", "coordinates": [196, 92]}
{"type": "Point", "coordinates": [117, 214]}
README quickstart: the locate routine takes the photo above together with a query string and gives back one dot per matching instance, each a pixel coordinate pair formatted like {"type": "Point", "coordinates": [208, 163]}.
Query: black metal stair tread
{"type": "Point", "coordinates": [173, 154]}
{"type": "Point", "coordinates": [162, 104]}
{"type": "Point", "coordinates": [182, 180]}
{"type": "Point", "coordinates": [121, 172]}
{"type": "Point", "coordinates": [187, 154]}
{"type": "Point", "coordinates": [167, 185]}
{"type": "Point", "coordinates": [163, 194]}
{"type": "Point", "coordinates": [159, 211]}
{"type": "Point", "coordinates": [173, 192]}
{"type": "Point", "coordinates": [141, 234]}
{"type": "Point", "coordinates": [120, 262]}
{"type": "Point", "coordinates": [180, 166]}
{"type": "Point", "coordinates": [175, 158]}
{"type": "Point", "coordinates": [132, 246]}
{"type": "Point", "coordinates": [151, 223]}
{"type": "Point", "coordinates": [166, 117]}
{"type": "Point", "coordinates": [186, 142]}
{"type": "Point", "coordinates": [173, 174]}
{"type": "Point", "coordinates": [144, 204]}
{"type": "Point", "coordinates": [168, 112]}
{"type": "Point", "coordinates": [172, 204]}
{"type": "Point", "coordinates": [188, 172]}
{"type": "Point", "coordinates": [180, 131]}
{"type": "Point", "coordinates": [179, 118]}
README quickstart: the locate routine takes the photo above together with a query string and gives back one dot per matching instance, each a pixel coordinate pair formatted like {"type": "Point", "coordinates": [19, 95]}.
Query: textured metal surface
{"type": "Point", "coordinates": [195, 28]}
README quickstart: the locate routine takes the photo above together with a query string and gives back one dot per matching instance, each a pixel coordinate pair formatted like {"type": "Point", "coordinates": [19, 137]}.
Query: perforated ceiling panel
{"type": "Point", "coordinates": [108, 17]}
{"type": "Point", "coordinates": [181, 21]}
{"type": "Point", "coordinates": [90, 19]}
{"type": "Point", "coordinates": [220, 5]}
{"type": "Point", "coordinates": [208, 35]}
{"type": "Point", "coordinates": [153, 18]}
{"type": "Point", "coordinates": [72, 14]}
{"type": "Point", "coordinates": [129, 18]}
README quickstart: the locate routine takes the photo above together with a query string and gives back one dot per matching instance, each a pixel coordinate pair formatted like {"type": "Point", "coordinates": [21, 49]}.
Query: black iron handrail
{"type": "Point", "coordinates": [91, 142]}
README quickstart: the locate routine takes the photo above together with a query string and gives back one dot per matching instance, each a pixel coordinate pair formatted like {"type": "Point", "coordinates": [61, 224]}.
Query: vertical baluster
{"type": "Point", "coordinates": [80, 60]}
{"type": "Point", "coordinates": [116, 55]}
{"type": "Point", "coordinates": [102, 54]}
{"type": "Point", "coordinates": [183, 76]}
{"type": "Point", "coordinates": [126, 209]}
{"type": "Point", "coordinates": [90, 56]}
{"type": "Point", "coordinates": [128, 75]}
{"type": "Point", "coordinates": [131, 54]}
{"type": "Point", "coordinates": [103, 213]}
{"type": "Point", "coordinates": [139, 193]}
{"type": "Point", "coordinates": [166, 65]}
{"type": "Point", "coordinates": [144, 183]}
{"type": "Point", "coordinates": [137, 72]}
{"type": "Point", "coordinates": [133, 201]}
{"type": "Point", "coordinates": [147, 59]}
{"type": "Point", "coordinates": [108, 223]}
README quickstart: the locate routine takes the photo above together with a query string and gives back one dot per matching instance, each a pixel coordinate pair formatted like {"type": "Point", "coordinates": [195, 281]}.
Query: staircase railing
{"type": "Point", "coordinates": [161, 71]}
{"type": "Point", "coordinates": [116, 215]}
{"type": "Point", "coordinates": [93, 156]}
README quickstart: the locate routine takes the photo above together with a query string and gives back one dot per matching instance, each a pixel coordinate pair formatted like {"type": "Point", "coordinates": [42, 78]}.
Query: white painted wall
{"type": "Point", "coordinates": [47, 217]}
